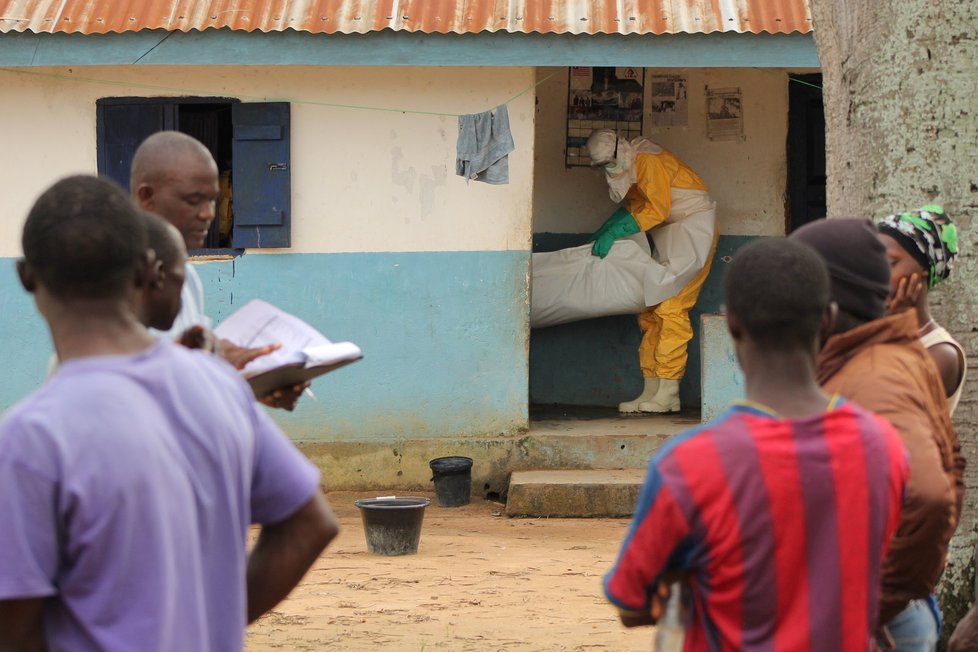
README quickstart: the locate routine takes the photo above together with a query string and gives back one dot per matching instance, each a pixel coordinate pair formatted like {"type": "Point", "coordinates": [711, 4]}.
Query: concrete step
{"type": "Point", "coordinates": [596, 438]}
{"type": "Point", "coordinates": [571, 493]}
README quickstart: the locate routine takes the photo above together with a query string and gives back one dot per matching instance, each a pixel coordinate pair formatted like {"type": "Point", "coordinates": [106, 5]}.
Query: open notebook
{"type": "Point", "coordinates": [305, 353]}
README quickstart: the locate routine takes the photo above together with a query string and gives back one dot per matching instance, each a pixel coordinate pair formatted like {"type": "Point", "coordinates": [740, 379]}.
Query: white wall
{"type": "Point", "coordinates": [362, 180]}
{"type": "Point", "coordinates": [746, 177]}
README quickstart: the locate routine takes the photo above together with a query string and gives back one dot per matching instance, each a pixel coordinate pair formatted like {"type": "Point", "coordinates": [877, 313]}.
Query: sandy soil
{"type": "Point", "coordinates": [480, 581]}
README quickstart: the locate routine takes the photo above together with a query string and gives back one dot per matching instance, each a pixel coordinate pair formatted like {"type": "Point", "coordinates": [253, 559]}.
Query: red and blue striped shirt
{"type": "Point", "coordinates": [780, 524]}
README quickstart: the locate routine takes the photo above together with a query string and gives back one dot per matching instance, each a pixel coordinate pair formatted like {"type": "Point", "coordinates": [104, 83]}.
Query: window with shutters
{"type": "Point", "coordinates": [249, 141]}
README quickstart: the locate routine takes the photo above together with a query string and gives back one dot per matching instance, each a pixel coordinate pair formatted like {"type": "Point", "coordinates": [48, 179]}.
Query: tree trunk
{"type": "Point", "coordinates": [900, 87]}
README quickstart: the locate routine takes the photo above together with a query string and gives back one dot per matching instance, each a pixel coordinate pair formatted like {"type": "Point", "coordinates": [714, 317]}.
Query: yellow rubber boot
{"type": "Point", "coordinates": [666, 398]}
{"type": "Point", "coordinates": [651, 387]}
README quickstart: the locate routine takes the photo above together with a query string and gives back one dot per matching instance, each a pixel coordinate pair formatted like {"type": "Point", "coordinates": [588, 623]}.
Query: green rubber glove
{"type": "Point", "coordinates": [609, 223]}
{"type": "Point", "coordinates": [621, 224]}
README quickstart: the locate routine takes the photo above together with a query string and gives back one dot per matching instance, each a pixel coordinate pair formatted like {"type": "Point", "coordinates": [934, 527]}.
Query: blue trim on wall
{"type": "Point", "coordinates": [444, 338]}
{"type": "Point", "coordinates": [443, 334]}
{"type": "Point", "coordinates": [595, 362]}
{"type": "Point", "coordinates": [27, 342]}
{"type": "Point", "coordinates": [388, 48]}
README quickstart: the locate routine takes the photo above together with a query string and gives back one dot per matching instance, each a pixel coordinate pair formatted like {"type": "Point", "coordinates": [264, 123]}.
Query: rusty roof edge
{"type": "Point", "coordinates": [402, 29]}
{"type": "Point", "coordinates": [590, 17]}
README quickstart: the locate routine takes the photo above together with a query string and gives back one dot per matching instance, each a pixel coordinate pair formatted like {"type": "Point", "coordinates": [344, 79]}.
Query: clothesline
{"type": "Point", "coordinates": [253, 98]}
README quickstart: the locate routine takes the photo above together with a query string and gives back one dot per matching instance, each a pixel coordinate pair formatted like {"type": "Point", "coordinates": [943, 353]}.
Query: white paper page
{"type": "Point", "coordinates": [259, 324]}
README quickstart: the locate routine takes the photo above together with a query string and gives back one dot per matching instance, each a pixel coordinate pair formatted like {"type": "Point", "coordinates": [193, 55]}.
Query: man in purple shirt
{"type": "Point", "coordinates": [129, 481]}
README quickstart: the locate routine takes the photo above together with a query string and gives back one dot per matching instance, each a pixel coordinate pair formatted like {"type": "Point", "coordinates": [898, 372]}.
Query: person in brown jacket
{"type": "Point", "coordinates": [879, 363]}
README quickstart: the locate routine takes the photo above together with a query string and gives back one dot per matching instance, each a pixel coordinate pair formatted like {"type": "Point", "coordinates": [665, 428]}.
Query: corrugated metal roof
{"type": "Point", "coordinates": [428, 16]}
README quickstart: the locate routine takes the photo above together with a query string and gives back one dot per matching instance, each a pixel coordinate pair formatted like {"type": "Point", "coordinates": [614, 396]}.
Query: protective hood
{"type": "Point", "coordinates": [617, 155]}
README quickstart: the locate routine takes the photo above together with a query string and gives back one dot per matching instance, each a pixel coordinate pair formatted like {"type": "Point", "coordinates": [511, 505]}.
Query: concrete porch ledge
{"type": "Point", "coordinates": [553, 442]}
{"type": "Point", "coordinates": [574, 493]}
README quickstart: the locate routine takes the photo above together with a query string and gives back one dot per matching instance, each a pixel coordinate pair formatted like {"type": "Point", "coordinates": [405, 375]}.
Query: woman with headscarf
{"type": "Point", "coordinates": [921, 246]}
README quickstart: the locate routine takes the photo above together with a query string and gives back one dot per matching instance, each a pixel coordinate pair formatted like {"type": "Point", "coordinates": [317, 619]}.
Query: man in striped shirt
{"type": "Point", "coordinates": [778, 513]}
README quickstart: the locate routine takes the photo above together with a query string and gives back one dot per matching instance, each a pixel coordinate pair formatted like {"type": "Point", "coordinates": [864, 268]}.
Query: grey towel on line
{"type": "Point", "coordinates": [484, 141]}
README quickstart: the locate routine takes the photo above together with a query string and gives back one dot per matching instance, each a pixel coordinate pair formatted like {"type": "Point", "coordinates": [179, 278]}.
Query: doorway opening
{"type": "Point", "coordinates": [806, 151]}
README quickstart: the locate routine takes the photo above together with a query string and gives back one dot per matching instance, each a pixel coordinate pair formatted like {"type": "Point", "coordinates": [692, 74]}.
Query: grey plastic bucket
{"type": "Point", "coordinates": [392, 526]}
{"type": "Point", "coordinates": [453, 480]}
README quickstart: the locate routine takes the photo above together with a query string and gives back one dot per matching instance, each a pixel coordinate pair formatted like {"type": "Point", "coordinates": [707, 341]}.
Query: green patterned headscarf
{"type": "Point", "coordinates": [928, 235]}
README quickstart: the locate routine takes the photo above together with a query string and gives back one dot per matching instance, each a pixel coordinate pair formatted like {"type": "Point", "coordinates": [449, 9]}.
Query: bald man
{"type": "Point", "coordinates": [174, 176]}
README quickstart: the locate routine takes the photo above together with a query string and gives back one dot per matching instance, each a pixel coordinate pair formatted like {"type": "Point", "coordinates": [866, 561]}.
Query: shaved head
{"type": "Point", "coordinates": [778, 289]}
{"type": "Point", "coordinates": [175, 176]}
{"type": "Point", "coordinates": [84, 239]}
{"type": "Point", "coordinates": [165, 240]}
{"type": "Point", "coordinates": [158, 156]}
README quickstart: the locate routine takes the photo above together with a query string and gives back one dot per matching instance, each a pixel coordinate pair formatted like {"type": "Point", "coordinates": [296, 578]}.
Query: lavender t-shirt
{"type": "Point", "coordinates": [127, 485]}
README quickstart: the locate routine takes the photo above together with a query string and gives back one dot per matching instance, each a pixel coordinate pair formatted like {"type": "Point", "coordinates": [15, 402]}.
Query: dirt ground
{"type": "Point", "coordinates": [480, 581]}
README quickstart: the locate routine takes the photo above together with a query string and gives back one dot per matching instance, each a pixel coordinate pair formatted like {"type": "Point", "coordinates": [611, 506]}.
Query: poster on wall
{"type": "Point", "coordinates": [669, 102]}
{"type": "Point", "coordinates": [601, 98]}
{"type": "Point", "coordinates": [724, 114]}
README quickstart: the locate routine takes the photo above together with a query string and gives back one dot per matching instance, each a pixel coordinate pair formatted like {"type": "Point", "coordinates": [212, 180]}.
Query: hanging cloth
{"type": "Point", "coordinates": [484, 143]}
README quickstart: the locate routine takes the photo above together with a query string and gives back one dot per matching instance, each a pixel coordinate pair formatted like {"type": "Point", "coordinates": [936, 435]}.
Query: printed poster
{"type": "Point", "coordinates": [602, 98]}
{"type": "Point", "coordinates": [669, 101]}
{"type": "Point", "coordinates": [724, 114]}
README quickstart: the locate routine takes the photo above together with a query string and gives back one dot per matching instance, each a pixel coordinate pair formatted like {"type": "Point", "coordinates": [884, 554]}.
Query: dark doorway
{"type": "Point", "coordinates": [806, 151]}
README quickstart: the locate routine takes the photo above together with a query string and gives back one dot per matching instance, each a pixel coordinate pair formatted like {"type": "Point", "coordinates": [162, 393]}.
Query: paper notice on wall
{"type": "Point", "coordinates": [724, 114]}
{"type": "Point", "coordinates": [669, 102]}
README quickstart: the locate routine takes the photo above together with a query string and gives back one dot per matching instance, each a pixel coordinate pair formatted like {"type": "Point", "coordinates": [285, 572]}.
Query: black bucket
{"type": "Point", "coordinates": [453, 480]}
{"type": "Point", "coordinates": [392, 525]}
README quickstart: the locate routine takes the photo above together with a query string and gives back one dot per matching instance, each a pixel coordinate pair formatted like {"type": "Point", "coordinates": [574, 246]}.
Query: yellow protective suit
{"type": "Point", "coordinates": [666, 330]}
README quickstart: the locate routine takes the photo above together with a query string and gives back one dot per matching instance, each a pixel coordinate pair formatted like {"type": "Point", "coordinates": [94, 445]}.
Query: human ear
{"type": "Point", "coordinates": [158, 278]}
{"type": "Point", "coordinates": [157, 272]}
{"type": "Point", "coordinates": [144, 196]}
{"type": "Point", "coordinates": [26, 275]}
{"type": "Point", "coordinates": [149, 271]}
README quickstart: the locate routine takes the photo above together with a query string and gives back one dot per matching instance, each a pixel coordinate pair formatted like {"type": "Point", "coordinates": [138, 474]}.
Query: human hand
{"type": "Point", "coordinates": [657, 607]}
{"type": "Point", "coordinates": [284, 398]}
{"type": "Point", "coordinates": [906, 294]}
{"type": "Point", "coordinates": [240, 356]}
{"type": "Point", "coordinates": [619, 225]}
{"type": "Point", "coordinates": [884, 640]}
{"type": "Point", "coordinates": [198, 337]}
{"type": "Point", "coordinates": [663, 591]}
{"type": "Point", "coordinates": [602, 244]}
{"type": "Point", "coordinates": [636, 619]}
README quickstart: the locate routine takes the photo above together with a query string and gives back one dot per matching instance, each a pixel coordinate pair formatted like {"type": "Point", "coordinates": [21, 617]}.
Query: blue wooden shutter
{"type": "Point", "coordinates": [121, 127]}
{"type": "Point", "coordinates": [261, 196]}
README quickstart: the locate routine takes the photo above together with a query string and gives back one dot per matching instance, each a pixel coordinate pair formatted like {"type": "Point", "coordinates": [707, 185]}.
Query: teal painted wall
{"type": "Point", "coordinates": [388, 48]}
{"type": "Point", "coordinates": [26, 339]}
{"type": "Point", "coordinates": [595, 362]}
{"type": "Point", "coordinates": [443, 334]}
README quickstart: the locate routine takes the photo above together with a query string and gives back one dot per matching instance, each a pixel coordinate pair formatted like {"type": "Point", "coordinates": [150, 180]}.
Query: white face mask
{"type": "Point", "coordinates": [618, 185]}
{"type": "Point", "coordinates": [614, 168]}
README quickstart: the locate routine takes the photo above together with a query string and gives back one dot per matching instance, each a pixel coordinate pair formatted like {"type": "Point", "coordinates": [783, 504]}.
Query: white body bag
{"type": "Point", "coordinates": [572, 284]}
